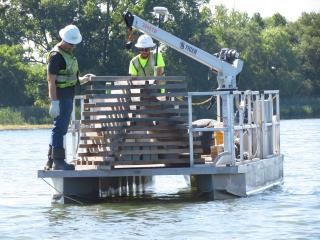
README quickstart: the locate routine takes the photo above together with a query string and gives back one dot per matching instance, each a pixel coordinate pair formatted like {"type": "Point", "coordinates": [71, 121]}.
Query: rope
{"type": "Point", "coordinates": [130, 35]}
{"type": "Point", "coordinates": [201, 103]}
{"type": "Point", "coordinates": [72, 199]}
{"type": "Point", "coordinates": [196, 103]}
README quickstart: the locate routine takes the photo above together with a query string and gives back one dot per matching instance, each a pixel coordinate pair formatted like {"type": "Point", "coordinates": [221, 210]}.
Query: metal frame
{"type": "Point", "coordinates": [230, 127]}
{"type": "Point", "coordinates": [190, 127]}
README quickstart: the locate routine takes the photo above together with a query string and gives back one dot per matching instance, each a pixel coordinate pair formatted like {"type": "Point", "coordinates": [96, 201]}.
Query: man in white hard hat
{"type": "Point", "coordinates": [62, 76]}
{"type": "Point", "coordinates": [147, 64]}
{"type": "Point", "coordinates": [144, 63]}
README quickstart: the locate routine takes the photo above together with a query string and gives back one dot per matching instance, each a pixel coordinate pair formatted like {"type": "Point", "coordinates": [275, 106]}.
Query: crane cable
{"type": "Point", "coordinates": [197, 103]}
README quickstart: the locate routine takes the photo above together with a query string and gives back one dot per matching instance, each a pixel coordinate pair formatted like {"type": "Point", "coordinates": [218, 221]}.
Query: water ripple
{"type": "Point", "coordinates": [168, 211]}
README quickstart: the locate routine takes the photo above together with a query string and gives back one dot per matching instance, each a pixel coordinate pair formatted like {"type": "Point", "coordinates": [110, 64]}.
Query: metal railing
{"type": "Point", "coordinates": [251, 124]}
{"type": "Point", "coordinates": [250, 121]}
{"type": "Point", "coordinates": [75, 125]}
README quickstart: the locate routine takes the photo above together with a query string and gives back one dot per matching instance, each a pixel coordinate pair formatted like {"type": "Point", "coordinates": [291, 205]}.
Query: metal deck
{"type": "Point", "coordinates": [196, 170]}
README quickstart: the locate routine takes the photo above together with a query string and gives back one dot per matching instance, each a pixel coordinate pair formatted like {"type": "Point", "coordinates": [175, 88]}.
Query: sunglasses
{"type": "Point", "coordinates": [70, 44]}
{"type": "Point", "coordinates": [144, 49]}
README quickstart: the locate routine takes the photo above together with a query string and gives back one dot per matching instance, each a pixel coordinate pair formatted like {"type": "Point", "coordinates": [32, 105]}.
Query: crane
{"type": "Point", "coordinates": [226, 63]}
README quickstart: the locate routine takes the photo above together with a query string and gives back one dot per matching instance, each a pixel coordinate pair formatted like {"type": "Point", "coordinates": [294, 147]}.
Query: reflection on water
{"type": "Point", "coordinates": [168, 210]}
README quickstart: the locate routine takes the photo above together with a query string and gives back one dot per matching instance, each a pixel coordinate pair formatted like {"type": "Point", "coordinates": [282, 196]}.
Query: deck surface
{"type": "Point", "coordinates": [120, 172]}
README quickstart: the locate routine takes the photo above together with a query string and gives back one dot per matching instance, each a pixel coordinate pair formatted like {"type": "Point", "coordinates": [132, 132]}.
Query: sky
{"type": "Point", "coordinates": [290, 9]}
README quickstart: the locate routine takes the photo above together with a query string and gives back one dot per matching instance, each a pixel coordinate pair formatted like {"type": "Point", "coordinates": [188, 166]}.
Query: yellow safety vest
{"type": "Point", "coordinates": [66, 77]}
{"type": "Point", "coordinates": [148, 69]}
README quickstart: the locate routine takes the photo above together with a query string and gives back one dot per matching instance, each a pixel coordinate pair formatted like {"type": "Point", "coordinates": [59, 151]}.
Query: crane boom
{"type": "Point", "coordinates": [226, 72]}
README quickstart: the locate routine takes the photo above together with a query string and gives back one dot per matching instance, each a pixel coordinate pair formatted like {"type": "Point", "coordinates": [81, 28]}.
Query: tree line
{"type": "Point", "coordinates": [277, 53]}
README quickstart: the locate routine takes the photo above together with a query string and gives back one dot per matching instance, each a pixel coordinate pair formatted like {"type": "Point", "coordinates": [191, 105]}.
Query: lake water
{"type": "Point", "coordinates": [289, 211]}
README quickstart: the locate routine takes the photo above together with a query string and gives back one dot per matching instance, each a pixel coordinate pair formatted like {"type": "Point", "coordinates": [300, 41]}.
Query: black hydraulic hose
{"type": "Point", "coordinates": [157, 49]}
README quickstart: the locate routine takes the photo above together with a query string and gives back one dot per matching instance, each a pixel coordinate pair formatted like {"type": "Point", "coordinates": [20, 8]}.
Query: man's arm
{"type": "Point", "coordinates": [52, 86]}
{"type": "Point", "coordinates": [55, 63]}
{"type": "Point", "coordinates": [54, 109]}
{"type": "Point", "coordinates": [86, 78]}
{"type": "Point", "coordinates": [132, 69]}
{"type": "Point", "coordinates": [160, 71]}
{"type": "Point", "coordinates": [161, 65]}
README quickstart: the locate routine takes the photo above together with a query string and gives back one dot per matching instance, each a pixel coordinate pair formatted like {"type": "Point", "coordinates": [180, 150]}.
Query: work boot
{"type": "Point", "coordinates": [49, 163]}
{"type": "Point", "coordinates": [59, 163]}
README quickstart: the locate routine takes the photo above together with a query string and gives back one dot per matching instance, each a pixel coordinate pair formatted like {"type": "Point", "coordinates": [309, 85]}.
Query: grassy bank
{"type": "Point", "coordinates": [24, 126]}
{"type": "Point", "coordinates": [24, 115]}
{"type": "Point", "coordinates": [299, 108]}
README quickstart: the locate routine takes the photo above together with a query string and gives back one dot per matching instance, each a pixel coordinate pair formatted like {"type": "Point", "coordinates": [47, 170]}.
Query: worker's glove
{"type": "Point", "coordinates": [86, 78]}
{"type": "Point", "coordinates": [54, 109]}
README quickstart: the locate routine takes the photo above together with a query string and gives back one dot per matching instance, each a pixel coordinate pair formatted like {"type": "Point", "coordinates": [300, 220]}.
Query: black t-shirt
{"type": "Point", "coordinates": [55, 64]}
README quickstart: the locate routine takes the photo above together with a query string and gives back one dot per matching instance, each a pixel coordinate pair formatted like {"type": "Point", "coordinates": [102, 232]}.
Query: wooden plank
{"type": "Point", "coordinates": [92, 162]}
{"type": "Point", "coordinates": [117, 138]}
{"type": "Point", "coordinates": [168, 120]}
{"type": "Point", "coordinates": [143, 150]}
{"type": "Point", "coordinates": [94, 138]}
{"type": "Point", "coordinates": [93, 167]}
{"type": "Point", "coordinates": [85, 129]}
{"type": "Point", "coordinates": [128, 104]}
{"type": "Point", "coordinates": [103, 159]}
{"type": "Point", "coordinates": [142, 137]}
{"type": "Point", "coordinates": [93, 145]}
{"type": "Point", "coordinates": [145, 162]}
{"type": "Point", "coordinates": [181, 86]}
{"type": "Point", "coordinates": [94, 154]}
{"type": "Point", "coordinates": [125, 96]}
{"type": "Point", "coordinates": [166, 143]}
{"type": "Point", "coordinates": [158, 151]}
{"type": "Point", "coordinates": [137, 111]}
{"type": "Point", "coordinates": [151, 135]}
{"type": "Point", "coordinates": [137, 162]}
{"type": "Point", "coordinates": [162, 161]}
{"type": "Point", "coordinates": [151, 151]}
{"type": "Point", "coordinates": [139, 144]}
{"type": "Point", "coordinates": [130, 78]}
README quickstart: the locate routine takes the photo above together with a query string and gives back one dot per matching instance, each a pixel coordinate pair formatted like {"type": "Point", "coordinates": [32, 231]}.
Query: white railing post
{"type": "Point", "coordinates": [218, 108]}
{"type": "Point", "coordinates": [190, 129]}
{"type": "Point", "coordinates": [249, 130]}
{"type": "Point", "coordinates": [263, 127]}
{"type": "Point", "coordinates": [73, 128]}
{"type": "Point", "coordinates": [241, 123]}
{"type": "Point", "coordinates": [277, 127]}
{"type": "Point", "coordinates": [278, 106]}
{"type": "Point", "coordinates": [228, 123]}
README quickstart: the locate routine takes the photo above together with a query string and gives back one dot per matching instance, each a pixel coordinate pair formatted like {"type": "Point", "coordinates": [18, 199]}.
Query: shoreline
{"type": "Point", "coordinates": [24, 126]}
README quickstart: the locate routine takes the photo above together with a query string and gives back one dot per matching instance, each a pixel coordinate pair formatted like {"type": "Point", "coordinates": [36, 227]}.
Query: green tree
{"type": "Point", "coordinates": [277, 20]}
{"type": "Point", "coordinates": [100, 22]}
{"type": "Point", "coordinates": [305, 38]}
{"type": "Point", "coordinates": [280, 61]}
{"type": "Point", "coordinates": [276, 53]}
{"type": "Point", "coordinates": [12, 75]}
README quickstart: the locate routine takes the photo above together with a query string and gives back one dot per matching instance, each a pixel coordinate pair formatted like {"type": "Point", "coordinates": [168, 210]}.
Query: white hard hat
{"type": "Point", "coordinates": [70, 34]}
{"type": "Point", "coordinates": [145, 41]}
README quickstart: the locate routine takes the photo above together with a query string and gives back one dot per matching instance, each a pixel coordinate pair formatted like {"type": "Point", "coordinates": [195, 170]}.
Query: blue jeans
{"type": "Point", "coordinates": [61, 123]}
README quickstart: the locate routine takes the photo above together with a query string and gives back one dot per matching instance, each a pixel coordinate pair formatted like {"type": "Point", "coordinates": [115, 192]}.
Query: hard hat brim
{"type": "Point", "coordinates": [65, 37]}
{"type": "Point", "coordinates": [137, 45]}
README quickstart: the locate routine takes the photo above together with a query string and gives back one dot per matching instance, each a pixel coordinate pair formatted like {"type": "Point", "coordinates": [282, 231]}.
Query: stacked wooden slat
{"type": "Point", "coordinates": [130, 121]}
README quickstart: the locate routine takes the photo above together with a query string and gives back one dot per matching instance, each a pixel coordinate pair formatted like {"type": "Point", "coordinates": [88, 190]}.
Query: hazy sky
{"type": "Point", "coordinates": [291, 9]}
